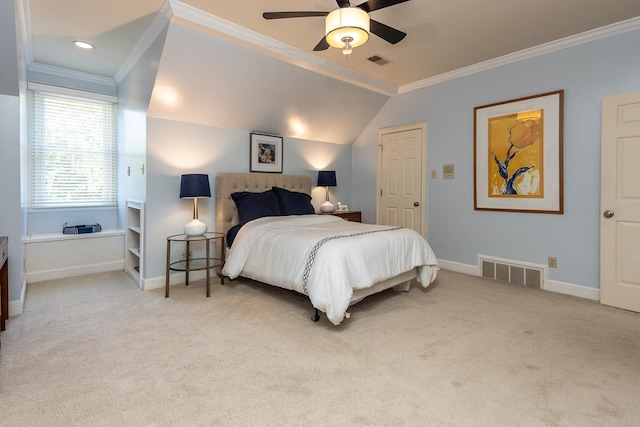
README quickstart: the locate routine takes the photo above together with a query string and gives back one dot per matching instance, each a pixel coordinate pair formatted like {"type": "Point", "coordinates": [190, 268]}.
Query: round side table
{"type": "Point", "coordinates": [194, 264]}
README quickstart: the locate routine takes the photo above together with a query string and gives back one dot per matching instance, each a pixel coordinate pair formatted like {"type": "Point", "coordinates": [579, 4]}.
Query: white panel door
{"type": "Point", "coordinates": [400, 196]}
{"type": "Point", "coordinates": [620, 202]}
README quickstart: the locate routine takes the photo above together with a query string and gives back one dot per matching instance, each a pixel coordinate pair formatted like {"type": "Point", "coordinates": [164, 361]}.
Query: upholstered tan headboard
{"type": "Point", "coordinates": [228, 183]}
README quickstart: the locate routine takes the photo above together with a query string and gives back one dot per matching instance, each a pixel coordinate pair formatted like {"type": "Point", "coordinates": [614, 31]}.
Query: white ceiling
{"type": "Point", "coordinates": [443, 35]}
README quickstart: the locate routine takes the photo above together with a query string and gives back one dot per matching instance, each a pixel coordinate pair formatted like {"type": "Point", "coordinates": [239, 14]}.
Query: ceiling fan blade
{"type": "Point", "coordinates": [343, 3]}
{"type": "Point", "coordinates": [322, 45]}
{"type": "Point", "coordinates": [282, 15]}
{"type": "Point", "coordinates": [386, 32]}
{"type": "Point", "coordinates": [372, 5]}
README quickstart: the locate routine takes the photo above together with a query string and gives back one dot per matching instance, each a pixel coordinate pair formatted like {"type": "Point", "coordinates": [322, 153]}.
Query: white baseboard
{"type": "Point", "coordinates": [549, 285]}
{"type": "Point", "coordinates": [39, 276]}
{"type": "Point", "coordinates": [174, 279]}
{"type": "Point", "coordinates": [571, 289]}
{"type": "Point", "coordinates": [458, 267]}
{"type": "Point", "coordinates": [16, 308]}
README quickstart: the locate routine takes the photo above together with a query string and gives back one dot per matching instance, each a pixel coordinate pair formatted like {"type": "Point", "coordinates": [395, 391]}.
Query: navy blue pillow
{"type": "Point", "coordinates": [231, 234]}
{"type": "Point", "coordinates": [255, 205]}
{"type": "Point", "coordinates": [293, 202]}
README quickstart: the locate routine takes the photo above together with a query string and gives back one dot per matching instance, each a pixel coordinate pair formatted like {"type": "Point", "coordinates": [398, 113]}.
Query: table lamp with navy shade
{"type": "Point", "coordinates": [195, 185]}
{"type": "Point", "coordinates": [327, 179]}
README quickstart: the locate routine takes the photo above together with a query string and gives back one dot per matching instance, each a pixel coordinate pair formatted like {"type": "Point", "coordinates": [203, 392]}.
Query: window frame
{"type": "Point", "coordinates": [42, 204]}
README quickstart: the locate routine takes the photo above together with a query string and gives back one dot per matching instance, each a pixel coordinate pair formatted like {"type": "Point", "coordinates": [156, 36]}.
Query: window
{"type": "Point", "coordinates": [72, 150]}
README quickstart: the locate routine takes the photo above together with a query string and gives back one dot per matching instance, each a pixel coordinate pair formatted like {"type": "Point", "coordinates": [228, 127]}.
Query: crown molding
{"type": "Point", "coordinates": [25, 21]}
{"type": "Point", "coordinates": [37, 67]}
{"type": "Point", "coordinates": [62, 90]}
{"type": "Point", "coordinates": [578, 39]}
{"type": "Point", "coordinates": [147, 38]}
{"type": "Point", "coordinates": [280, 50]}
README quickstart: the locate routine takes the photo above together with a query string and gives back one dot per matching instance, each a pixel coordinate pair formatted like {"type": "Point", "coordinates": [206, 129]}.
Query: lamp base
{"type": "Point", "coordinates": [195, 227]}
{"type": "Point", "coordinates": [327, 207]}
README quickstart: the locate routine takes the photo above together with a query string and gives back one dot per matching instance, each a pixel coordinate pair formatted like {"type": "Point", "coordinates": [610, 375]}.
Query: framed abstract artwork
{"type": "Point", "coordinates": [265, 153]}
{"type": "Point", "coordinates": [518, 155]}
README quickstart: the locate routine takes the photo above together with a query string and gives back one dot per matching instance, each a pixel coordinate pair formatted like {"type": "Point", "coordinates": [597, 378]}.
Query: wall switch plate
{"type": "Point", "coordinates": [434, 174]}
{"type": "Point", "coordinates": [447, 171]}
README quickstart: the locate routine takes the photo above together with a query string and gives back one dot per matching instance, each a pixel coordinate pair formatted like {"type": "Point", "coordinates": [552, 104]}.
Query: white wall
{"type": "Point", "coordinates": [56, 256]}
{"type": "Point", "coordinates": [458, 233]}
{"type": "Point", "coordinates": [174, 148]}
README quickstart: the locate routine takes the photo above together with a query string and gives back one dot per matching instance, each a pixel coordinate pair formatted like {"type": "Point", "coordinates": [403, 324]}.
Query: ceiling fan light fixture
{"type": "Point", "coordinates": [347, 49]}
{"type": "Point", "coordinates": [347, 23]}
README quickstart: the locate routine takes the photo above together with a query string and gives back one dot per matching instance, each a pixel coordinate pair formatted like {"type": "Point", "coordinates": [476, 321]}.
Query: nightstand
{"type": "Point", "coordinates": [355, 216]}
{"type": "Point", "coordinates": [194, 264]}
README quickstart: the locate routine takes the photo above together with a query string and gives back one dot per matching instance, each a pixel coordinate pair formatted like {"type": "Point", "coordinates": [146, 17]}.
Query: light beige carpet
{"type": "Point", "coordinates": [467, 351]}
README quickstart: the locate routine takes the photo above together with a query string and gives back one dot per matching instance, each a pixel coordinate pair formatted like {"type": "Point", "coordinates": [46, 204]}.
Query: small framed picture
{"type": "Point", "coordinates": [266, 153]}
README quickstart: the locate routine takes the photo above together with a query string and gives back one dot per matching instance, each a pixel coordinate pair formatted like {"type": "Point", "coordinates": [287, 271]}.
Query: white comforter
{"type": "Point", "coordinates": [348, 256]}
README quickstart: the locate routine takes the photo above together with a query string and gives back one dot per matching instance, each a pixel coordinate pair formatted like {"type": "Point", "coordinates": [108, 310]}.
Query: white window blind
{"type": "Point", "coordinates": [72, 151]}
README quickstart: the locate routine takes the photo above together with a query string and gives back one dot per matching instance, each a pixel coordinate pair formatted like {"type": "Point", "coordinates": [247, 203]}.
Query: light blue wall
{"type": "Point", "coordinates": [134, 94]}
{"type": "Point", "coordinates": [11, 213]}
{"type": "Point", "coordinates": [458, 233]}
{"type": "Point", "coordinates": [174, 148]}
{"type": "Point", "coordinates": [8, 50]}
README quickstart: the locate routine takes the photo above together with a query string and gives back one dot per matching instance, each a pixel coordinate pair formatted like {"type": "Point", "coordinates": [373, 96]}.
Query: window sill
{"type": "Point", "coordinates": [58, 235]}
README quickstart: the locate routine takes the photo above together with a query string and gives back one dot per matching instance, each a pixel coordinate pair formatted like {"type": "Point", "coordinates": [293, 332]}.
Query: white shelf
{"type": "Point", "coordinates": [134, 241]}
{"type": "Point", "coordinates": [135, 251]}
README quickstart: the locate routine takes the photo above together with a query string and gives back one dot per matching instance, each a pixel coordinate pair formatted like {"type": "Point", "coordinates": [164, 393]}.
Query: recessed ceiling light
{"type": "Point", "coordinates": [83, 45]}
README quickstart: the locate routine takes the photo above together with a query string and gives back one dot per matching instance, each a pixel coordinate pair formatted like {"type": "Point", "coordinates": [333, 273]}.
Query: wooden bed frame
{"type": "Point", "coordinates": [228, 183]}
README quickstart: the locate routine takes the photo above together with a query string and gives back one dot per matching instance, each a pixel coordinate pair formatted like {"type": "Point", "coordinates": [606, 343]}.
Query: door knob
{"type": "Point", "coordinates": [608, 213]}
{"type": "Point", "coordinates": [416, 204]}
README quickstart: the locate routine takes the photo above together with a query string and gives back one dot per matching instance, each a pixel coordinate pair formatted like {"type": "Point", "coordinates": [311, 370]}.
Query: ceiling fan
{"type": "Point", "coordinates": [348, 26]}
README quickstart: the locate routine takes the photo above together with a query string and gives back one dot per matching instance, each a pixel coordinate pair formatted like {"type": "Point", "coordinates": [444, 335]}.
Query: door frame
{"type": "Point", "coordinates": [423, 167]}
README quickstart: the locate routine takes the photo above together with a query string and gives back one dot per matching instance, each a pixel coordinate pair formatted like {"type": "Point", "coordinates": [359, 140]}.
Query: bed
{"type": "Point", "coordinates": [334, 262]}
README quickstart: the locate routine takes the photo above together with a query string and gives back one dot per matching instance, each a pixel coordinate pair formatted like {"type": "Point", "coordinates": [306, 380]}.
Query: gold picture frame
{"type": "Point", "coordinates": [518, 156]}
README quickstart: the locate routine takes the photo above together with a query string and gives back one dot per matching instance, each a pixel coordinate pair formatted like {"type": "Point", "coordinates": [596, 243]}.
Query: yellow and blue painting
{"type": "Point", "coordinates": [516, 154]}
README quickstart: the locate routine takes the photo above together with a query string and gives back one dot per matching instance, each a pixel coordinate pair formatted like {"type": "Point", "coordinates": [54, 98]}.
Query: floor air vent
{"type": "Point", "coordinates": [512, 271]}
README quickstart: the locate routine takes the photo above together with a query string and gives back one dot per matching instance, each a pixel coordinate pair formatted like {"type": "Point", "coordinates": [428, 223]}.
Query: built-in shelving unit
{"type": "Point", "coordinates": [134, 241]}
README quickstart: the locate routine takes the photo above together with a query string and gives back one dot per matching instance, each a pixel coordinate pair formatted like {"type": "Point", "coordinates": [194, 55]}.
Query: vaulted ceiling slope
{"type": "Point", "coordinates": [207, 80]}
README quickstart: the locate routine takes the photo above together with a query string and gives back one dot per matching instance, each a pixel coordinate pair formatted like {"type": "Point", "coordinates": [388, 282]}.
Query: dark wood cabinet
{"type": "Point", "coordinates": [4, 281]}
